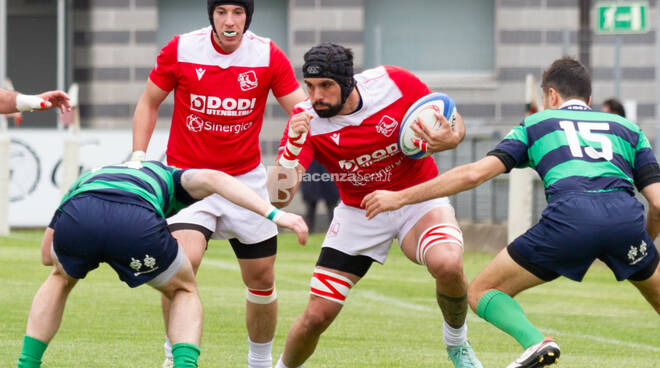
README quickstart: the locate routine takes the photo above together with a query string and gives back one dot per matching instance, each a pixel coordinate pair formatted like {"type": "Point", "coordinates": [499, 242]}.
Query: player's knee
{"type": "Point", "coordinates": [446, 263]}
{"type": "Point", "coordinates": [316, 320]}
{"type": "Point", "coordinates": [261, 278]}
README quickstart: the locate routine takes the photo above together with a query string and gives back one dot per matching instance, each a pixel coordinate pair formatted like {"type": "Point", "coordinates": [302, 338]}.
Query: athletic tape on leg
{"type": "Point", "coordinates": [330, 285]}
{"type": "Point", "coordinates": [436, 234]}
{"type": "Point", "coordinates": [257, 296]}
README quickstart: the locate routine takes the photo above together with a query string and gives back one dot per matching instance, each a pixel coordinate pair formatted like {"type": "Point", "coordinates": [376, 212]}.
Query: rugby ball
{"type": "Point", "coordinates": [424, 109]}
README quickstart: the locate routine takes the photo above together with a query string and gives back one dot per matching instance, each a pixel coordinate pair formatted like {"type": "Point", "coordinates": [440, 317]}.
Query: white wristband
{"type": "Point", "coordinates": [29, 102]}
{"type": "Point", "coordinates": [138, 156]}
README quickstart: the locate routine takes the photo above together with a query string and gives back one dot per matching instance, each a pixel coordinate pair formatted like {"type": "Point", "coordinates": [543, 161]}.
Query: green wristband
{"type": "Point", "coordinates": [273, 212]}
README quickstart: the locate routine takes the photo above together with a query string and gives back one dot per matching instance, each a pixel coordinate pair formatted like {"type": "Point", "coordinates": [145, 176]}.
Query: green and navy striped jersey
{"type": "Point", "coordinates": [577, 149]}
{"type": "Point", "coordinates": [154, 185]}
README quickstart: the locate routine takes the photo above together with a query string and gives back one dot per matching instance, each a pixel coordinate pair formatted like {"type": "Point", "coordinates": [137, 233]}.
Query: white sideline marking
{"type": "Point", "coordinates": [21, 237]}
{"type": "Point", "coordinates": [375, 296]}
{"type": "Point", "coordinates": [604, 340]}
{"type": "Point", "coordinates": [232, 266]}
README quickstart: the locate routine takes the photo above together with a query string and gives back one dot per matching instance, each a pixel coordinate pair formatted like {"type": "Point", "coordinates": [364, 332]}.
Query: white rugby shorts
{"type": "Point", "coordinates": [350, 232]}
{"type": "Point", "coordinates": [227, 220]}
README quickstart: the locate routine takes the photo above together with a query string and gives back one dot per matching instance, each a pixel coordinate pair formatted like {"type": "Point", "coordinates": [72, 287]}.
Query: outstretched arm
{"type": "Point", "coordinates": [202, 183]}
{"type": "Point", "coordinates": [11, 102]}
{"type": "Point", "coordinates": [456, 180]}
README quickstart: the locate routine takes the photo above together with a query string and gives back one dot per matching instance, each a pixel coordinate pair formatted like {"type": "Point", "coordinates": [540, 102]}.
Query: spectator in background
{"type": "Point", "coordinates": [614, 106]}
{"type": "Point", "coordinates": [316, 189]}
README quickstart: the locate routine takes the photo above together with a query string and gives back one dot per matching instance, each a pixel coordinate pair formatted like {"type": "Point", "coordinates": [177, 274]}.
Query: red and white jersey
{"type": "Point", "coordinates": [360, 150]}
{"type": "Point", "coordinates": [219, 98]}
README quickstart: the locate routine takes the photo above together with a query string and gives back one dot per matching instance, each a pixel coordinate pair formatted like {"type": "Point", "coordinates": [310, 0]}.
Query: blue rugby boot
{"type": "Point", "coordinates": [463, 356]}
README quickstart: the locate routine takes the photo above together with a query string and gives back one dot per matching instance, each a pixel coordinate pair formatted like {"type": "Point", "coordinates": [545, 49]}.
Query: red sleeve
{"type": "Point", "coordinates": [163, 73]}
{"type": "Point", "coordinates": [406, 81]}
{"type": "Point", "coordinates": [306, 155]}
{"type": "Point", "coordinates": [283, 79]}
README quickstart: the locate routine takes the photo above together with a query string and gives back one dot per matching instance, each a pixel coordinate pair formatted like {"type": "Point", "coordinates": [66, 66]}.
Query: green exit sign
{"type": "Point", "coordinates": [622, 17]}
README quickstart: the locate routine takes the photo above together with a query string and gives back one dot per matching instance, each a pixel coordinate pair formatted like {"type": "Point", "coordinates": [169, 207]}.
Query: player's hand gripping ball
{"type": "Point", "coordinates": [424, 109]}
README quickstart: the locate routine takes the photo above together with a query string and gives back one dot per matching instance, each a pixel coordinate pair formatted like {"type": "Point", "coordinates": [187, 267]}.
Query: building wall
{"type": "Point", "coordinates": [115, 47]}
{"type": "Point", "coordinates": [532, 33]}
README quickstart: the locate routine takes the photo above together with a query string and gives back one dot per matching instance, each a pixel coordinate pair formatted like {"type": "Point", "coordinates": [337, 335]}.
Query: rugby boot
{"type": "Point", "coordinates": [463, 356]}
{"type": "Point", "coordinates": [543, 354]}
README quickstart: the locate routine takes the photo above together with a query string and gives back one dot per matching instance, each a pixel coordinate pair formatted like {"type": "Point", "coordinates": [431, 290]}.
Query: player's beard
{"type": "Point", "coordinates": [331, 110]}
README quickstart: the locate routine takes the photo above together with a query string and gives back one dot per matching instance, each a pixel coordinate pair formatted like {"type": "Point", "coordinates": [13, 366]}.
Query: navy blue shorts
{"type": "Point", "coordinates": [133, 240]}
{"type": "Point", "coordinates": [578, 228]}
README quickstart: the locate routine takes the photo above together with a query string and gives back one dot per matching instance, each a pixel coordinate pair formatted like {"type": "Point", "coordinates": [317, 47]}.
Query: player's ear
{"type": "Point", "coordinates": [554, 97]}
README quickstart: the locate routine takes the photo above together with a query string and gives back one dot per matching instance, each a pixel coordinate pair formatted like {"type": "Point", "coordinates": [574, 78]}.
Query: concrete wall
{"type": "Point", "coordinates": [115, 48]}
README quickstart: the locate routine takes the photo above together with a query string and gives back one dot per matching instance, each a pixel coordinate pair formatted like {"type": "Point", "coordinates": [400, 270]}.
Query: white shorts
{"type": "Point", "coordinates": [227, 220]}
{"type": "Point", "coordinates": [350, 232]}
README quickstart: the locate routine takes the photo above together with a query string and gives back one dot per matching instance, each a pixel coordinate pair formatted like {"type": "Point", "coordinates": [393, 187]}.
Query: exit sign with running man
{"type": "Point", "coordinates": [622, 18]}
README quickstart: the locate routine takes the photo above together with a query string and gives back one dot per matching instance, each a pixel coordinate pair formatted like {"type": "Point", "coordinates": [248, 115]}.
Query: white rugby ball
{"type": "Point", "coordinates": [424, 109]}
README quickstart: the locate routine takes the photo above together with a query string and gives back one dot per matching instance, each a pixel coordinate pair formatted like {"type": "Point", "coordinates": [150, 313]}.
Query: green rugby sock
{"type": "Point", "coordinates": [32, 352]}
{"type": "Point", "coordinates": [505, 313]}
{"type": "Point", "coordinates": [185, 355]}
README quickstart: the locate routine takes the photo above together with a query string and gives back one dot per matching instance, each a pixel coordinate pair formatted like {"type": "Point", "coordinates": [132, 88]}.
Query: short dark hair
{"type": "Point", "coordinates": [615, 106]}
{"type": "Point", "coordinates": [569, 77]}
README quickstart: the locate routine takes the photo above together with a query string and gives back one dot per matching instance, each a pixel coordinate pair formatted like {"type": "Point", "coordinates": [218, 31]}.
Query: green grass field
{"type": "Point", "coordinates": [390, 319]}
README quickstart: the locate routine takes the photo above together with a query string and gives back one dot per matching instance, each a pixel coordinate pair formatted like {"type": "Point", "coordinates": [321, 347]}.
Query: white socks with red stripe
{"type": "Point", "coordinates": [259, 355]}
{"type": "Point", "coordinates": [454, 336]}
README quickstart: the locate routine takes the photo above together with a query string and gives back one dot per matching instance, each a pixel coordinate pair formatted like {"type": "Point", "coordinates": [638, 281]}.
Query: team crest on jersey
{"type": "Point", "coordinates": [248, 80]}
{"type": "Point", "coordinates": [387, 126]}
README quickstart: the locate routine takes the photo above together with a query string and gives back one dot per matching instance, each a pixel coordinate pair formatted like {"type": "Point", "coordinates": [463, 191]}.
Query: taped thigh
{"type": "Point", "coordinates": [434, 235]}
{"type": "Point", "coordinates": [329, 285]}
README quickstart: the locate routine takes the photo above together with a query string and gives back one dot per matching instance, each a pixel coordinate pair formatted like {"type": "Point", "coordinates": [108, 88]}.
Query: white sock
{"type": "Point", "coordinates": [167, 346]}
{"type": "Point", "coordinates": [454, 336]}
{"type": "Point", "coordinates": [281, 365]}
{"type": "Point", "coordinates": [259, 355]}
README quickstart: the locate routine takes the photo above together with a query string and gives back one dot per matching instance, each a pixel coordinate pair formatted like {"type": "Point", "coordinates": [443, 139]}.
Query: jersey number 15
{"type": "Point", "coordinates": [587, 133]}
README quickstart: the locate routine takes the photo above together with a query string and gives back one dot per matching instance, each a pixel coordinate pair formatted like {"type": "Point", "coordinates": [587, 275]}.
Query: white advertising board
{"type": "Point", "coordinates": [35, 158]}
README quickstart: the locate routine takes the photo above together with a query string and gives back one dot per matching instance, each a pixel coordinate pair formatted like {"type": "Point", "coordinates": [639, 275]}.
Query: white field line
{"type": "Point", "coordinates": [374, 296]}
{"type": "Point", "coordinates": [604, 340]}
{"type": "Point", "coordinates": [22, 237]}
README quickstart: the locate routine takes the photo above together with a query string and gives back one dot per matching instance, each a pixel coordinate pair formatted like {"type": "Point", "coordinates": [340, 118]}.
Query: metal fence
{"type": "Point", "coordinates": [487, 203]}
